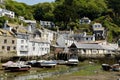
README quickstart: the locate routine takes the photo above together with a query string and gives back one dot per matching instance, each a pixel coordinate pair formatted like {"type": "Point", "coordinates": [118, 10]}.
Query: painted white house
{"type": "Point", "coordinates": [47, 24]}
{"type": "Point", "coordinates": [65, 40]}
{"type": "Point", "coordinates": [28, 42]}
{"type": "Point", "coordinates": [4, 12]}
{"type": "Point", "coordinates": [22, 44]}
{"type": "Point", "coordinates": [30, 21]}
{"type": "Point", "coordinates": [48, 35]}
{"type": "Point", "coordinates": [34, 46]}
{"type": "Point", "coordinates": [85, 20]}
{"type": "Point", "coordinates": [99, 31]}
{"type": "Point", "coordinates": [38, 47]}
{"type": "Point", "coordinates": [83, 37]}
{"type": "Point", "coordinates": [93, 49]}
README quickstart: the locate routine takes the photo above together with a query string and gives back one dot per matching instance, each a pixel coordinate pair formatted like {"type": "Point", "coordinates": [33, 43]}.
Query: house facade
{"type": "Point", "coordinates": [47, 24]}
{"type": "Point", "coordinates": [92, 49]}
{"type": "Point", "coordinates": [4, 12]}
{"type": "Point", "coordinates": [38, 47]}
{"type": "Point", "coordinates": [28, 41]}
{"type": "Point", "coordinates": [64, 40]}
{"type": "Point", "coordinates": [83, 37]}
{"type": "Point", "coordinates": [85, 20]}
{"type": "Point", "coordinates": [99, 31]}
{"type": "Point", "coordinates": [7, 42]}
{"type": "Point", "coordinates": [22, 44]}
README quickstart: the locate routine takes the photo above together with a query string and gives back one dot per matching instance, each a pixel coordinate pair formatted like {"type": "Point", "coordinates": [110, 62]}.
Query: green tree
{"type": "Point", "coordinates": [44, 11]}
{"type": "Point", "coordinates": [114, 5]}
{"type": "Point", "coordinates": [72, 10]}
{"type": "Point", "coordinates": [20, 9]}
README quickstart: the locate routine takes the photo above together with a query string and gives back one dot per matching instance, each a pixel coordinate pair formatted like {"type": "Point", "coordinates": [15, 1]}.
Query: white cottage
{"type": "Point", "coordinates": [28, 41]}
{"type": "Point", "coordinates": [4, 12]}
{"type": "Point", "coordinates": [99, 31]}
{"type": "Point", "coordinates": [92, 49]}
{"type": "Point", "coordinates": [83, 37]}
{"type": "Point", "coordinates": [85, 20]}
{"type": "Point", "coordinates": [64, 40]}
{"type": "Point", "coordinates": [22, 44]}
{"type": "Point", "coordinates": [38, 47]}
{"type": "Point", "coordinates": [47, 24]}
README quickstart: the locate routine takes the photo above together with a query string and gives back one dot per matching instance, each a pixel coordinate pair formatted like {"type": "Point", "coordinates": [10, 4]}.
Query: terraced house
{"type": "Point", "coordinates": [28, 42]}
{"type": "Point", "coordinates": [7, 42]}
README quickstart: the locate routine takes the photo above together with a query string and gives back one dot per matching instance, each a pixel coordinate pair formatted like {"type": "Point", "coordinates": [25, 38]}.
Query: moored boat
{"type": "Point", "coordinates": [7, 64]}
{"type": "Point", "coordinates": [73, 60]}
{"type": "Point", "coordinates": [49, 63]}
{"type": "Point", "coordinates": [18, 67]}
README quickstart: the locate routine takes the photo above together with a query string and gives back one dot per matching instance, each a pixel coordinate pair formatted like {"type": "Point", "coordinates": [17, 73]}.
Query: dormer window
{"type": "Point", "coordinates": [98, 26]}
{"type": "Point", "coordinates": [95, 26]}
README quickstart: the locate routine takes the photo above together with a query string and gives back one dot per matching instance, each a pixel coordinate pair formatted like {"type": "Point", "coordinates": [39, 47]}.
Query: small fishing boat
{"type": "Point", "coordinates": [73, 60]}
{"type": "Point", "coordinates": [7, 64]}
{"type": "Point", "coordinates": [18, 66]}
{"type": "Point", "coordinates": [33, 63]}
{"type": "Point", "coordinates": [49, 63]}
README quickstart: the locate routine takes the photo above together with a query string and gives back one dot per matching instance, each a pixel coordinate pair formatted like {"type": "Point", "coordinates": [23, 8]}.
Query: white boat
{"type": "Point", "coordinates": [18, 66]}
{"type": "Point", "coordinates": [73, 61]}
{"type": "Point", "coordinates": [7, 64]}
{"type": "Point", "coordinates": [49, 63]}
{"type": "Point", "coordinates": [32, 63]}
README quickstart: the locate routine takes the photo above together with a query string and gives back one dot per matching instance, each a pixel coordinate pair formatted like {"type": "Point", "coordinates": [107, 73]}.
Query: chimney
{"type": "Point", "coordinates": [5, 24]}
{"type": "Point", "coordinates": [30, 28]}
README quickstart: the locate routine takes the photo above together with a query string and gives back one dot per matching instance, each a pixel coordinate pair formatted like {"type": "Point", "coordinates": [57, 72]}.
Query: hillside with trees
{"type": "Point", "coordinates": [67, 13]}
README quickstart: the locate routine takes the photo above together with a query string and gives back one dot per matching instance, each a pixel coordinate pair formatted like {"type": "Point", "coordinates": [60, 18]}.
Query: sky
{"type": "Point", "coordinates": [32, 2]}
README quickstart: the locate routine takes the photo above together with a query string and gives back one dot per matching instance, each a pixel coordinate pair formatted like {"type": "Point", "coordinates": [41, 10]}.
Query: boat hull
{"type": "Point", "coordinates": [18, 68]}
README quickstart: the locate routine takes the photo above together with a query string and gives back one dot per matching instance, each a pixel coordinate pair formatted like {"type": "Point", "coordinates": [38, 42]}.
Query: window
{"type": "Point", "coordinates": [33, 48]}
{"type": "Point", "coordinates": [14, 48]}
{"type": "Point", "coordinates": [5, 41]}
{"type": "Point", "coordinates": [86, 38]}
{"type": "Point", "coordinates": [22, 41]}
{"type": "Point", "coordinates": [26, 47]}
{"type": "Point", "coordinates": [98, 26]}
{"type": "Point", "coordinates": [21, 47]}
{"type": "Point", "coordinates": [45, 49]}
{"type": "Point", "coordinates": [33, 44]}
{"type": "Point", "coordinates": [8, 48]}
{"type": "Point", "coordinates": [13, 41]}
{"type": "Point", "coordinates": [91, 38]}
{"type": "Point", "coordinates": [95, 26]}
{"type": "Point", "coordinates": [94, 51]}
{"type": "Point", "coordinates": [3, 47]}
{"type": "Point", "coordinates": [42, 49]}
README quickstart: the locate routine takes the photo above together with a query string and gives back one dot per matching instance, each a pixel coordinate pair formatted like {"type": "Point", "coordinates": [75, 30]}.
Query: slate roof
{"type": "Point", "coordinates": [7, 33]}
{"type": "Point", "coordinates": [95, 46]}
{"type": "Point", "coordinates": [18, 28]}
{"type": "Point", "coordinates": [39, 41]}
{"type": "Point", "coordinates": [88, 46]}
{"type": "Point", "coordinates": [67, 37]}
